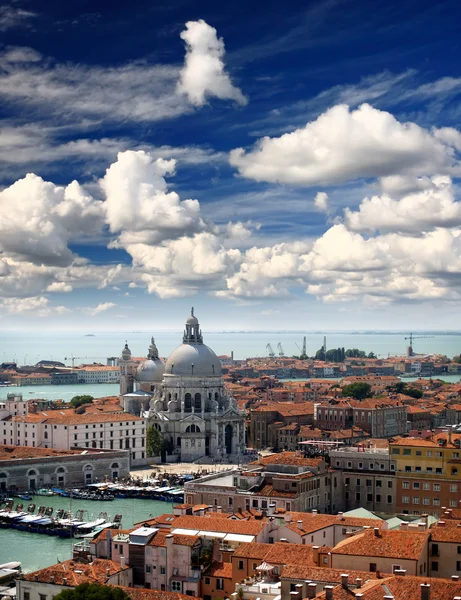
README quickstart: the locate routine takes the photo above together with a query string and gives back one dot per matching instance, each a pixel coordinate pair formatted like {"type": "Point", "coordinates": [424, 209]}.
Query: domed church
{"type": "Point", "coordinates": [187, 401]}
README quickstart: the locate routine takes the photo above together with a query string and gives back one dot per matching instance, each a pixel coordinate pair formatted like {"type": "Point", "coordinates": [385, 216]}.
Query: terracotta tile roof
{"type": "Point", "coordinates": [393, 544]}
{"type": "Point", "coordinates": [21, 452]}
{"type": "Point", "coordinates": [282, 553]}
{"type": "Point", "coordinates": [144, 594]}
{"type": "Point", "coordinates": [185, 540]}
{"type": "Point", "coordinates": [251, 550]}
{"type": "Point", "coordinates": [401, 588]}
{"type": "Point", "coordinates": [219, 569]}
{"type": "Point", "coordinates": [289, 458]}
{"type": "Point", "coordinates": [315, 522]}
{"type": "Point", "coordinates": [268, 492]}
{"type": "Point", "coordinates": [324, 574]}
{"type": "Point", "coordinates": [252, 527]}
{"type": "Point", "coordinates": [76, 572]}
{"type": "Point", "coordinates": [446, 534]}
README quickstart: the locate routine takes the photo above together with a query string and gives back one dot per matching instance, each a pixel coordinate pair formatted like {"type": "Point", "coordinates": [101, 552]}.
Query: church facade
{"type": "Point", "coordinates": [185, 399]}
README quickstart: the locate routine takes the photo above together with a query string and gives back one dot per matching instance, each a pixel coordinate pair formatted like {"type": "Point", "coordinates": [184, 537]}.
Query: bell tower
{"type": "Point", "coordinates": [127, 367]}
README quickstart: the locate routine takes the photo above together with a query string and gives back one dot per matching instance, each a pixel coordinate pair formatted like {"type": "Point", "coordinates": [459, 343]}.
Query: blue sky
{"type": "Point", "coordinates": [295, 167]}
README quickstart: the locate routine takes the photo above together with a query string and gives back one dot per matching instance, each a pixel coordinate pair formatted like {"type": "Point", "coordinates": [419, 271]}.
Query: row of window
{"type": "Point", "coordinates": [428, 453]}
{"type": "Point", "coordinates": [427, 501]}
{"type": "Point", "coordinates": [369, 482]}
{"type": "Point", "coordinates": [369, 497]}
{"type": "Point", "coordinates": [370, 466]}
{"type": "Point", "coordinates": [426, 485]}
{"type": "Point", "coordinates": [438, 470]}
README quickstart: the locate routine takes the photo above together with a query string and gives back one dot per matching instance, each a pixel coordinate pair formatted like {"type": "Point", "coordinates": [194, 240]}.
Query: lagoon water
{"type": "Point", "coordinates": [36, 551]}
{"type": "Point", "coordinates": [30, 347]}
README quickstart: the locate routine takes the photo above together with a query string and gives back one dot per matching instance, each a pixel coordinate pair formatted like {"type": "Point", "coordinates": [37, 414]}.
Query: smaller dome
{"type": "Point", "coordinates": [192, 320]}
{"type": "Point", "coordinates": [150, 371]}
{"type": "Point", "coordinates": [126, 352]}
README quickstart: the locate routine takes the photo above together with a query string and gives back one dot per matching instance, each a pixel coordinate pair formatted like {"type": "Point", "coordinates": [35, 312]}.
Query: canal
{"type": "Point", "coordinates": [35, 550]}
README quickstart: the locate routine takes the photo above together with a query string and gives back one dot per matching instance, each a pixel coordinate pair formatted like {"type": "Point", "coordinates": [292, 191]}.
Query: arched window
{"type": "Point", "coordinates": [157, 426]}
{"type": "Point", "coordinates": [216, 396]}
{"type": "Point", "coordinates": [198, 402]}
{"type": "Point", "coordinates": [193, 429]}
{"type": "Point", "coordinates": [60, 470]}
{"type": "Point", "coordinates": [32, 473]}
{"type": "Point", "coordinates": [188, 403]}
{"type": "Point", "coordinates": [114, 466]}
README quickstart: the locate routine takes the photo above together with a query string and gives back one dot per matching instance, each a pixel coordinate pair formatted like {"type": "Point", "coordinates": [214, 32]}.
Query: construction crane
{"type": "Point", "coordinates": [270, 350]}
{"type": "Point", "coordinates": [412, 337]}
{"type": "Point", "coordinates": [74, 358]}
{"type": "Point", "coordinates": [303, 351]}
{"type": "Point", "coordinates": [280, 349]}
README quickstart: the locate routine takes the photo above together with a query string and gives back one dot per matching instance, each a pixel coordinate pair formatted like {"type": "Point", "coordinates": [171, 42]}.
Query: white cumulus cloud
{"type": "Point", "coordinates": [416, 212]}
{"type": "Point", "coordinates": [101, 307]}
{"type": "Point", "coordinates": [321, 201]}
{"type": "Point", "coordinates": [343, 145]}
{"type": "Point", "coordinates": [203, 74]}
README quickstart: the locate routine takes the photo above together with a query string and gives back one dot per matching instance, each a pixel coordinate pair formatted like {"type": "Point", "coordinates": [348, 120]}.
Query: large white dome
{"type": "Point", "coordinates": [150, 371]}
{"type": "Point", "coordinates": [193, 360]}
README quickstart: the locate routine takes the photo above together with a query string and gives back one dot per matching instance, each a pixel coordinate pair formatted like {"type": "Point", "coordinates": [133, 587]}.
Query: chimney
{"type": "Point", "coordinates": [388, 597]}
{"type": "Point", "coordinates": [329, 592]}
{"type": "Point", "coordinates": [122, 562]}
{"type": "Point", "coordinates": [358, 595]}
{"type": "Point", "coordinates": [315, 554]}
{"type": "Point", "coordinates": [311, 590]}
{"type": "Point", "coordinates": [271, 509]}
{"type": "Point", "coordinates": [287, 518]}
{"type": "Point", "coordinates": [314, 512]}
{"type": "Point", "coordinates": [284, 540]}
{"type": "Point", "coordinates": [358, 583]}
{"type": "Point", "coordinates": [341, 516]}
{"type": "Point", "coordinates": [455, 577]}
{"type": "Point", "coordinates": [400, 572]}
{"type": "Point", "coordinates": [376, 531]}
{"type": "Point", "coordinates": [425, 591]}
{"type": "Point", "coordinates": [441, 524]}
{"type": "Point", "coordinates": [345, 580]}
{"type": "Point", "coordinates": [219, 509]}
{"type": "Point", "coordinates": [300, 525]}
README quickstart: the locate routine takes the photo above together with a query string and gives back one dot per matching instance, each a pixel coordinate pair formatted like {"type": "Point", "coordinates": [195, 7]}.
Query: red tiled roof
{"type": "Point", "coordinates": [76, 572]}
{"type": "Point", "coordinates": [393, 544]}
{"type": "Point", "coordinates": [252, 527]}
{"type": "Point", "coordinates": [219, 569]}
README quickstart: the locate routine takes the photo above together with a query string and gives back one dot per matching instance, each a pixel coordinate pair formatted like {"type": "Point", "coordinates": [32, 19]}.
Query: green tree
{"type": "Point", "coordinates": [79, 400]}
{"type": "Point", "coordinates": [92, 591]}
{"type": "Point", "coordinates": [154, 441]}
{"type": "Point", "coordinates": [358, 390]}
{"type": "Point", "coordinates": [320, 354]}
{"type": "Point", "coordinates": [413, 392]}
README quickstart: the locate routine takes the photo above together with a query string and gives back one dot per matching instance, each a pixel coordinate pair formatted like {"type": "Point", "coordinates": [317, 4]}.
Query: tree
{"type": "Point", "coordinates": [358, 390]}
{"type": "Point", "coordinates": [154, 441]}
{"type": "Point", "coordinates": [413, 392]}
{"type": "Point", "coordinates": [79, 400]}
{"type": "Point", "coordinates": [92, 591]}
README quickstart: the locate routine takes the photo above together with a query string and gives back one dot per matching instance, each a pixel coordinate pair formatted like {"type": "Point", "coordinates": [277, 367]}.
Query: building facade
{"type": "Point", "coordinates": [187, 401]}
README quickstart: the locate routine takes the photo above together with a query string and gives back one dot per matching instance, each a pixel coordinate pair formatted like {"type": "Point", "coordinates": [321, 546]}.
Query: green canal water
{"type": "Point", "coordinates": [36, 551]}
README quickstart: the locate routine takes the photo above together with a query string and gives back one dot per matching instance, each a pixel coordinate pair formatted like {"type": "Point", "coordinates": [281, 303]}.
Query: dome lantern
{"type": "Point", "coordinates": [192, 334]}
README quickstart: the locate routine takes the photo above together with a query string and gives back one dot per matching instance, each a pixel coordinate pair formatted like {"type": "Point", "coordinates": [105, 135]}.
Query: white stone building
{"type": "Point", "coordinates": [185, 399]}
